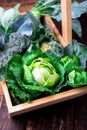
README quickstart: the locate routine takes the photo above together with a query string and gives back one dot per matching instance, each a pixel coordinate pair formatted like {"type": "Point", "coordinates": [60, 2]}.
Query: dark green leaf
{"type": "Point", "coordinates": [80, 50]}
{"type": "Point", "coordinates": [27, 25]}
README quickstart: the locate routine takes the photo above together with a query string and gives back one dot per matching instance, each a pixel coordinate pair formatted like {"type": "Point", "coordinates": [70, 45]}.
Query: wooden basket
{"type": "Point", "coordinates": [65, 39]}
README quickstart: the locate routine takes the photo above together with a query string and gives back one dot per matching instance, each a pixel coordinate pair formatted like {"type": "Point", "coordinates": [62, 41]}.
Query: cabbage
{"type": "Point", "coordinates": [44, 73]}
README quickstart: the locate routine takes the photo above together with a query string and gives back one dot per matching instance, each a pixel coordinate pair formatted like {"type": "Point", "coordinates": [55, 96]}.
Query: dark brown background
{"type": "Point", "coordinates": [25, 4]}
{"type": "Point", "coordinates": [69, 115]}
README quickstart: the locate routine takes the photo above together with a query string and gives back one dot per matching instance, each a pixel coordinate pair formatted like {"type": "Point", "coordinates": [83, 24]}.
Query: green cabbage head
{"type": "Point", "coordinates": [44, 73]}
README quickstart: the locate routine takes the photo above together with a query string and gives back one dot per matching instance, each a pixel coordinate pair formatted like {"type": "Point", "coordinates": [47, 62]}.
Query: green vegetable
{"type": "Point", "coordinates": [80, 50]}
{"type": "Point", "coordinates": [9, 17]}
{"type": "Point", "coordinates": [77, 78]}
{"type": "Point", "coordinates": [40, 74]}
{"type": "Point", "coordinates": [35, 75]}
{"type": "Point", "coordinates": [3, 39]}
{"type": "Point", "coordinates": [16, 44]}
{"type": "Point", "coordinates": [76, 75]}
{"type": "Point", "coordinates": [30, 24]}
{"type": "Point", "coordinates": [53, 8]}
{"type": "Point", "coordinates": [44, 73]}
{"type": "Point", "coordinates": [70, 62]}
{"type": "Point", "coordinates": [28, 77]}
{"type": "Point", "coordinates": [2, 10]}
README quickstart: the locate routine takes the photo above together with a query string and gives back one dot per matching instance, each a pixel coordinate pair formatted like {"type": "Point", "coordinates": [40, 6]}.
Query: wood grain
{"type": "Point", "coordinates": [66, 20]}
{"type": "Point", "coordinates": [42, 102]}
{"type": "Point", "coordinates": [51, 25]}
{"type": "Point", "coordinates": [56, 117]}
{"type": "Point", "coordinates": [8, 123]}
{"type": "Point", "coordinates": [80, 122]}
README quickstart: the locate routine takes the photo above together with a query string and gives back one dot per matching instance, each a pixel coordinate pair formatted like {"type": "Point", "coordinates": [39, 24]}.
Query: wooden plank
{"type": "Point", "coordinates": [1, 96]}
{"type": "Point", "coordinates": [80, 119]}
{"type": "Point", "coordinates": [51, 25]}
{"type": "Point", "coordinates": [42, 102]}
{"type": "Point", "coordinates": [8, 123]}
{"type": "Point", "coordinates": [1, 91]}
{"type": "Point", "coordinates": [6, 93]}
{"type": "Point", "coordinates": [66, 21]}
{"type": "Point", "coordinates": [1, 99]}
{"type": "Point", "coordinates": [56, 117]}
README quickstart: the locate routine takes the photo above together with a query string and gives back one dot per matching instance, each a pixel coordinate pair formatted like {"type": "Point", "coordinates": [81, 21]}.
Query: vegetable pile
{"type": "Point", "coordinates": [37, 74]}
{"type": "Point", "coordinates": [16, 29]}
{"type": "Point", "coordinates": [7, 18]}
{"type": "Point", "coordinates": [32, 61]}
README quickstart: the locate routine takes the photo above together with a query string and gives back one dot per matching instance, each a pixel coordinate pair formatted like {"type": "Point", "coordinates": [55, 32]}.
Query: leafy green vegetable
{"type": "Point", "coordinates": [43, 7]}
{"type": "Point", "coordinates": [39, 74]}
{"type": "Point", "coordinates": [74, 65]}
{"type": "Point", "coordinates": [69, 62]}
{"type": "Point", "coordinates": [36, 74]}
{"type": "Point", "coordinates": [44, 73]}
{"type": "Point", "coordinates": [28, 77]}
{"type": "Point", "coordinates": [27, 25]}
{"type": "Point", "coordinates": [30, 25]}
{"type": "Point", "coordinates": [24, 75]}
{"type": "Point", "coordinates": [3, 39]}
{"type": "Point", "coordinates": [53, 8]}
{"type": "Point", "coordinates": [77, 75]}
{"type": "Point", "coordinates": [17, 95]}
{"type": "Point", "coordinates": [56, 48]}
{"type": "Point", "coordinates": [77, 78]}
{"type": "Point", "coordinates": [80, 50]}
{"type": "Point", "coordinates": [9, 17]}
{"type": "Point", "coordinates": [76, 25]}
{"type": "Point", "coordinates": [1, 14]}
{"type": "Point", "coordinates": [2, 73]}
{"type": "Point", "coordinates": [16, 69]}
{"type": "Point", "coordinates": [78, 8]}
{"type": "Point", "coordinates": [16, 44]}
{"type": "Point", "coordinates": [30, 56]}
{"type": "Point", "coordinates": [54, 60]}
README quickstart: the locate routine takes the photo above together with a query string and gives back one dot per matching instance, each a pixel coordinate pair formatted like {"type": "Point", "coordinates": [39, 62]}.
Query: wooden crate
{"type": "Point", "coordinates": [42, 102]}
{"type": "Point", "coordinates": [65, 39]}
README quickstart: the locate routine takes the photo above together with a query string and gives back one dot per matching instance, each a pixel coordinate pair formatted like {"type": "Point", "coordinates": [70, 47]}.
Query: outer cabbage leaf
{"type": "Point", "coordinates": [80, 50]}
{"type": "Point", "coordinates": [9, 17]}
{"type": "Point", "coordinates": [1, 14]}
{"type": "Point", "coordinates": [77, 78]}
{"type": "Point", "coordinates": [78, 9]}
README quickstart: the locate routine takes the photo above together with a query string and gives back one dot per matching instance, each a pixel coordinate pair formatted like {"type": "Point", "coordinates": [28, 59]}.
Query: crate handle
{"type": "Point", "coordinates": [66, 37]}
{"type": "Point", "coordinates": [66, 9]}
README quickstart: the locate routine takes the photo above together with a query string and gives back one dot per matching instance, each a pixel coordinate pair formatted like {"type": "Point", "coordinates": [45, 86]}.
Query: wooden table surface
{"type": "Point", "coordinates": [69, 115]}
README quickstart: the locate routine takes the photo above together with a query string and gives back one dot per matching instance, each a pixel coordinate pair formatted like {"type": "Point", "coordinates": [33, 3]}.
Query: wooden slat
{"type": "Point", "coordinates": [1, 99]}
{"type": "Point", "coordinates": [8, 123]}
{"type": "Point", "coordinates": [1, 91]}
{"type": "Point", "coordinates": [1, 96]}
{"type": "Point", "coordinates": [80, 122]}
{"type": "Point", "coordinates": [66, 21]}
{"type": "Point", "coordinates": [6, 94]}
{"type": "Point", "coordinates": [42, 102]}
{"type": "Point", "coordinates": [50, 24]}
{"type": "Point", "coordinates": [56, 117]}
